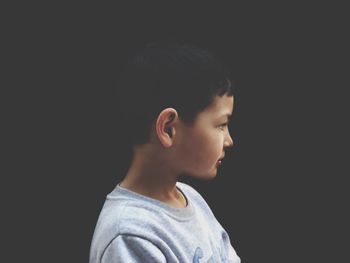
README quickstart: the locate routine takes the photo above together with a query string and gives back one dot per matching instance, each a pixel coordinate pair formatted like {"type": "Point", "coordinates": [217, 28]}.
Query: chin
{"type": "Point", "coordinates": [206, 176]}
{"type": "Point", "coordinates": [210, 177]}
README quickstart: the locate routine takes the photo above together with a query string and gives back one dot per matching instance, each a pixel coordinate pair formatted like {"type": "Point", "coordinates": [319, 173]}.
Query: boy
{"type": "Point", "coordinates": [176, 101]}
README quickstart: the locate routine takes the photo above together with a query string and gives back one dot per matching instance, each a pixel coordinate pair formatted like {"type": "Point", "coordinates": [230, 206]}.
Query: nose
{"type": "Point", "coordinates": [228, 141]}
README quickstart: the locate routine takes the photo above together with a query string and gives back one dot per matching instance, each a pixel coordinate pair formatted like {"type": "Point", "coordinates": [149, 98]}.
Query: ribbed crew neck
{"type": "Point", "coordinates": [178, 213]}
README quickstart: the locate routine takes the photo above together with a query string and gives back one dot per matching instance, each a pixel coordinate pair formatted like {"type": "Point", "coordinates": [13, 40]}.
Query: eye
{"type": "Point", "coordinates": [222, 126]}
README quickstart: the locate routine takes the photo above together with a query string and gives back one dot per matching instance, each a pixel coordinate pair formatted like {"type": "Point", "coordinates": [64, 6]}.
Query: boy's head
{"type": "Point", "coordinates": [174, 100]}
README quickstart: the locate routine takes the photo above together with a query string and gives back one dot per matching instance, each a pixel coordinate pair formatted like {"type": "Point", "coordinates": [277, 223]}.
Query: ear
{"type": "Point", "coordinates": [165, 126]}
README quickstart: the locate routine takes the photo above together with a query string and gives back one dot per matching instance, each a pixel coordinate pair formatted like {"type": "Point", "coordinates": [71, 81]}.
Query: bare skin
{"type": "Point", "coordinates": [175, 149]}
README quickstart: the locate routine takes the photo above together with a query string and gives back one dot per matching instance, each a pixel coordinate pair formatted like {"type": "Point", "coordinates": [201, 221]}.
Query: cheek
{"type": "Point", "coordinates": [204, 151]}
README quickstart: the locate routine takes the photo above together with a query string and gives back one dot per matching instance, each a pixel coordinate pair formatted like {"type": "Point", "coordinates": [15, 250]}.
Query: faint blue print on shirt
{"type": "Point", "coordinates": [199, 254]}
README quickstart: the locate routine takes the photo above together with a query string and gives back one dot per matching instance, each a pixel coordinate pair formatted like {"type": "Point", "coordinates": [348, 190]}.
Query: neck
{"type": "Point", "coordinates": [150, 175]}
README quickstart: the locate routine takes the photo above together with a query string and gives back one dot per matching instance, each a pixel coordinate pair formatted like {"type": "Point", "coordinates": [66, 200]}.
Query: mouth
{"type": "Point", "coordinates": [219, 162]}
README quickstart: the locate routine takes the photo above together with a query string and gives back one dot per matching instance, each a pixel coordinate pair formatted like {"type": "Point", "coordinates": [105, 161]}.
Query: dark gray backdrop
{"type": "Point", "coordinates": [276, 193]}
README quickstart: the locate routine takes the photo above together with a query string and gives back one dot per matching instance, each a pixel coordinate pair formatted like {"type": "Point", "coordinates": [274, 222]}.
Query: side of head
{"type": "Point", "coordinates": [166, 89]}
{"type": "Point", "coordinates": [170, 99]}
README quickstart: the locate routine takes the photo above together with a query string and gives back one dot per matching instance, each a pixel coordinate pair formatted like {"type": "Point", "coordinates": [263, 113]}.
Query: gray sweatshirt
{"type": "Point", "coordinates": [136, 228]}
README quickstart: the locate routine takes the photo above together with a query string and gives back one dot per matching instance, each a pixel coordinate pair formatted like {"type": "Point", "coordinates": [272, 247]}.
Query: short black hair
{"type": "Point", "coordinates": [168, 74]}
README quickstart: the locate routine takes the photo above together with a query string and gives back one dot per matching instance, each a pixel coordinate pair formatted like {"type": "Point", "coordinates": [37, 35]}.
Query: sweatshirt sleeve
{"type": "Point", "coordinates": [132, 249]}
{"type": "Point", "coordinates": [230, 254]}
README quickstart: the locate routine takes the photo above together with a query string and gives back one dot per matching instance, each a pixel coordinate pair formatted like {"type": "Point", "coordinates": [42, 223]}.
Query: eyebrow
{"type": "Point", "coordinates": [228, 115]}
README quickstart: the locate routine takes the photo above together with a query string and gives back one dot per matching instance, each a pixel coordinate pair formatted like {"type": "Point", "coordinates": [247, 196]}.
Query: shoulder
{"type": "Point", "coordinates": [126, 221]}
{"type": "Point", "coordinates": [131, 249]}
{"type": "Point", "coordinates": [129, 217]}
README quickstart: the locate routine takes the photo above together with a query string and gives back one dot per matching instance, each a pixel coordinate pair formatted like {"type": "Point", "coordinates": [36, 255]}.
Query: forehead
{"type": "Point", "coordinates": [220, 108]}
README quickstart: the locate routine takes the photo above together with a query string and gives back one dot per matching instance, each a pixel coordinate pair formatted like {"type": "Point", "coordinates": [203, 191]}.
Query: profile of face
{"type": "Point", "coordinates": [202, 145]}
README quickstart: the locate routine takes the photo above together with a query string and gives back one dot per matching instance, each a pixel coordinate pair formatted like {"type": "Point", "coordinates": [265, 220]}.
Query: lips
{"type": "Point", "coordinates": [218, 163]}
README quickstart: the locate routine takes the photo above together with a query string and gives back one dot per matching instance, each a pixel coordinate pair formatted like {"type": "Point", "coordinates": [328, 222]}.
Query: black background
{"type": "Point", "coordinates": [279, 193]}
